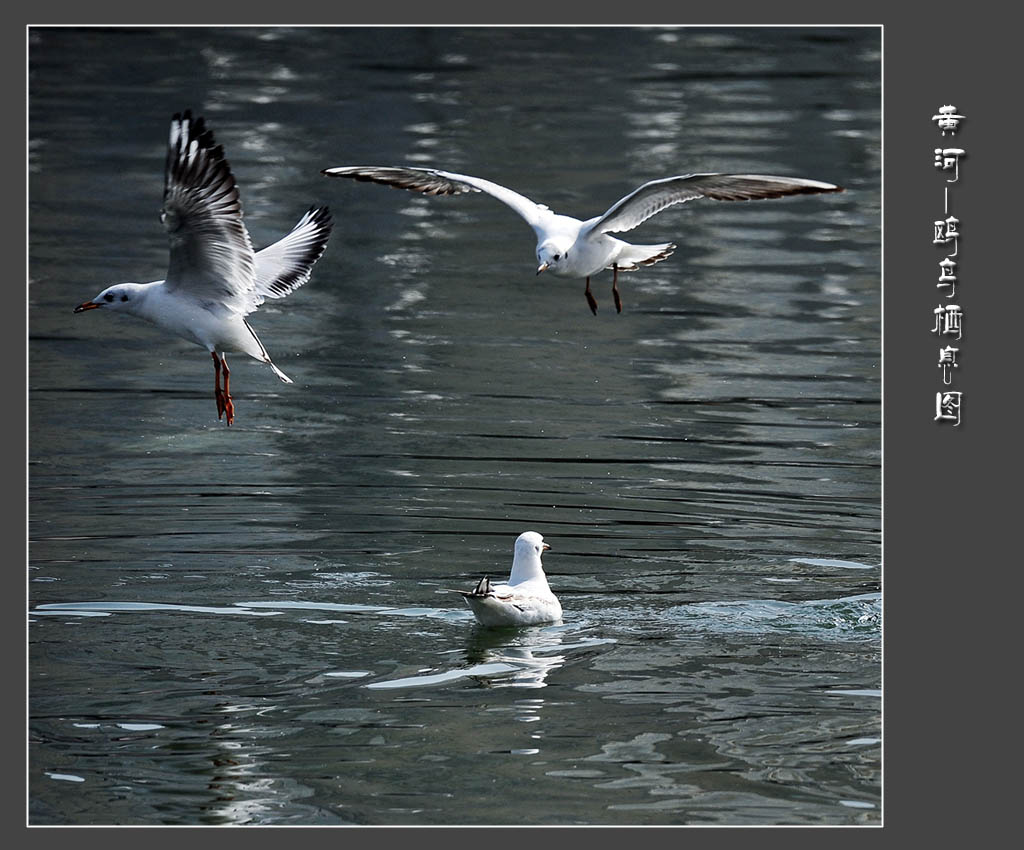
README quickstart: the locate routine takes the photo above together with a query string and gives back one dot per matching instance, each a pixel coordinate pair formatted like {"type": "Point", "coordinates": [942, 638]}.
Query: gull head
{"type": "Point", "coordinates": [551, 253]}
{"type": "Point", "coordinates": [120, 296]}
{"type": "Point", "coordinates": [531, 541]}
{"type": "Point", "coordinates": [526, 563]}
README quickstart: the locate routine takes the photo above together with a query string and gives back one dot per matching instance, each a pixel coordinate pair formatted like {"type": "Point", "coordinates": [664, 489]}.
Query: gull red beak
{"type": "Point", "coordinates": [544, 546]}
{"type": "Point", "coordinates": [541, 267]}
{"type": "Point", "coordinates": [88, 305]}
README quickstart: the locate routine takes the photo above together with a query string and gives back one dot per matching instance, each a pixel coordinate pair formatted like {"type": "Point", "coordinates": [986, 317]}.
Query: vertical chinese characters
{"type": "Point", "coordinates": [948, 317]}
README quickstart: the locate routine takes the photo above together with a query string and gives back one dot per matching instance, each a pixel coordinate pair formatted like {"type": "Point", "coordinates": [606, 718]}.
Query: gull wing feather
{"type": "Point", "coordinates": [283, 267]}
{"type": "Point", "coordinates": [431, 181]}
{"type": "Point", "coordinates": [211, 254]}
{"type": "Point", "coordinates": [483, 588]}
{"type": "Point", "coordinates": [657, 195]}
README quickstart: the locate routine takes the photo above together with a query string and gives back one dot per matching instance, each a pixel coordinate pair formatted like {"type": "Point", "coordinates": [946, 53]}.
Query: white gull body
{"type": "Point", "coordinates": [526, 600]}
{"type": "Point", "coordinates": [214, 277]}
{"type": "Point", "coordinates": [571, 248]}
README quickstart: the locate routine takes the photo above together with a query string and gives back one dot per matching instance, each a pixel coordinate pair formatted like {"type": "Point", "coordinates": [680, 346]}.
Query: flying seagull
{"type": "Point", "coordinates": [568, 247]}
{"type": "Point", "coordinates": [214, 278]}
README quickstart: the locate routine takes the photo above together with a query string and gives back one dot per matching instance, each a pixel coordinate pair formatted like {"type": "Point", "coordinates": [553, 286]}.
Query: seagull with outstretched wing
{"type": "Point", "coordinates": [214, 278]}
{"type": "Point", "coordinates": [568, 247]}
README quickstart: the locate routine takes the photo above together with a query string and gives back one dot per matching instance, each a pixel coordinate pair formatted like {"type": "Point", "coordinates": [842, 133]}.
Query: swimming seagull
{"type": "Point", "coordinates": [526, 600]}
{"type": "Point", "coordinates": [568, 247]}
{"type": "Point", "coordinates": [214, 278]}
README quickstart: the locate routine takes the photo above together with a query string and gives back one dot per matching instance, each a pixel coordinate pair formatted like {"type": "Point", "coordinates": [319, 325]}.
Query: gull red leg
{"type": "Point", "coordinates": [615, 287]}
{"type": "Point", "coordinates": [591, 300]}
{"type": "Point", "coordinates": [223, 396]}
{"type": "Point", "coordinates": [217, 393]}
{"type": "Point", "coordinates": [229, 407]}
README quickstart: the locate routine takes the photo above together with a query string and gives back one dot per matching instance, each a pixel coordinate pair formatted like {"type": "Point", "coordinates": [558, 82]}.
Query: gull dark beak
{"type": "Point", "coordinates": [544, 546]}
{"type": "Point", "coordinates": [542, 267]}
{"type": "Point", "coordinates": [88, 305]}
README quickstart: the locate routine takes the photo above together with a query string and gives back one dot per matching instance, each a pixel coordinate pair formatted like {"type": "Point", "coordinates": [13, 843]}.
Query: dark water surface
{"type": "Point", "coordinates": [254, 626]}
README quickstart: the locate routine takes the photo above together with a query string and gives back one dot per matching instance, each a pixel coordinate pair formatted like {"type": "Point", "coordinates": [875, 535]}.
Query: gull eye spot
{"type": "Point", "coordinates": [108, 297]}
{"type": "Point", "coordinates": [124, 297]}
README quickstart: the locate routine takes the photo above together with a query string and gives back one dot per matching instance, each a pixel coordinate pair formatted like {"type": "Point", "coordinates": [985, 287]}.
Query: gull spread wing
{"type": "Point", "coordinates": [653, 197]}
{"type": "Point", "coordinates": [287, 264]}
{"type": "Point", "coordinates": [211, 255]}
{"type": "Point", "coordinates": [433, 182]}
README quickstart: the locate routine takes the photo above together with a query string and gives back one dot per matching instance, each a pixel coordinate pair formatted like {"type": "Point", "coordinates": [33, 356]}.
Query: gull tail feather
{"type": "Point", "coordinates": [279, 373]}
{"type": "Point", "coordinates": [482, 589]}
{"type": "Point", "coordinates": [261, 354]}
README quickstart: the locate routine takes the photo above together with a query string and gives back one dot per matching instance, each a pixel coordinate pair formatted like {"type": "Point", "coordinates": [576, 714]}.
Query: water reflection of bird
{"type": "Point", "coordinates": [214, 278]}
{"type": "Point", "coordinates": [526, 599]}
{"type": "Point", "coordinates": [528, 655]}
{"type": "Point", "coordinates": [568, 247]}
